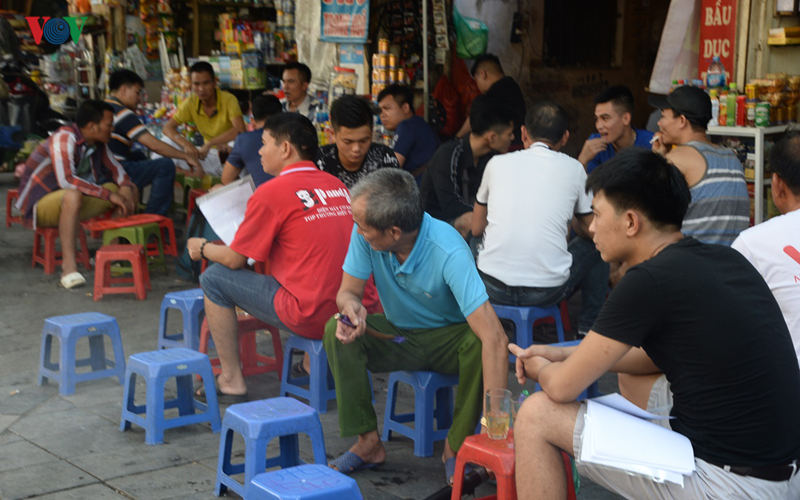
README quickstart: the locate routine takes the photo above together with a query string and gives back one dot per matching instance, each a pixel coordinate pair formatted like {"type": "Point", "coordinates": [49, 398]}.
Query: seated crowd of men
{"type": "Point", "coordinates": [388, 237]}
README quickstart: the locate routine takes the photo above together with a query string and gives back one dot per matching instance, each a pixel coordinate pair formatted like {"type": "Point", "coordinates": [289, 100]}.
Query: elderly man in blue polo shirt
{"type": "Point", "coordinates": [437, 315]}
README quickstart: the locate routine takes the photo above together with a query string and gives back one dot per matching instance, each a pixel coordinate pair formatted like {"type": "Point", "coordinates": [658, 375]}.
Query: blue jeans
{"type": "Point", "coordinates": [253, 292]}
{"type": "Point", "coordinates": [161, 174]}
{"type": "Point", "coordinates": [588, 271]}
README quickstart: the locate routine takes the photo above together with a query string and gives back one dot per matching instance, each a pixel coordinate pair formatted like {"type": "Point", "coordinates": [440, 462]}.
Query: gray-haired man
{"type": "Point", "coordinates": [432, 297]}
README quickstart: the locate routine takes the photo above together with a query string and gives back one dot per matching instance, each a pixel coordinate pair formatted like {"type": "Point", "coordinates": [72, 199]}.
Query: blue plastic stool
{"type": "Point", "coordinates": [192, 307]}
{"type": "Point", "coordinates": [592, 391]}
{"type": "Point", "coordinates": [259, 422]}
{"type": "Point", "coordinates": [429, 387]}
{"type": "Point", "coordinates": [69, 329]}
{"type": "Point", "coordinates": [320, 382]}
{"type": "Point", "coordinates": [305, 482]}
{"type": "Point", "coordinates": [524, 318]}
{"type": "Point", "coordinates": [156, 367]}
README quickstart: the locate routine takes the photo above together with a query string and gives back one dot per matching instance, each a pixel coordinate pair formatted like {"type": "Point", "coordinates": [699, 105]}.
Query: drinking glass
{"type": "Point", "coordinates": [498, 412]}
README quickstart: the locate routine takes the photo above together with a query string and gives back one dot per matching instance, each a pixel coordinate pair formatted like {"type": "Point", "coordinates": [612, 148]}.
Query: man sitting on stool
{"type": "Point", "coordinates": [433, 297]}
{"type": "Point", "coordinates": [299, 222]}
{"type": "Point", "coordinates": [72, 176]}
{"type": "Point", "coordinates": [125, 88]}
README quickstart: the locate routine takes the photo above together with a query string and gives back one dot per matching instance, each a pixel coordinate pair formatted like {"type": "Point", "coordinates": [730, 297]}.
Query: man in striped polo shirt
{"type": "Point", "coordinates": [125, 88]}
{"type": "Point", "coordinates": [720, 207]}
{"type": "Point", "coordinates": [72, 176]}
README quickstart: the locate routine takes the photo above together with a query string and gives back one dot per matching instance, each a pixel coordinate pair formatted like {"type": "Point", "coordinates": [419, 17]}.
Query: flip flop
{"type": "Point", "coordinates": [298, 370]}
{"type": "Point", "coordinates": [222, 398]}
{"type": "Point", "coordinates": [73, 280]}
{"type": "Point", "coordinates": [450, 470]}
{"type": "Point", "coordinates": [349, 463]}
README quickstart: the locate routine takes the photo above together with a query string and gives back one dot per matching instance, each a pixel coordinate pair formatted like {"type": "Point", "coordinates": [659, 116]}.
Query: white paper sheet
{"type": "Point", "coordinates": [618, 402]}
{"type": "Point", "coordinates": [620, 440]}
{"type": "Point", "coordinates": [224, 208]}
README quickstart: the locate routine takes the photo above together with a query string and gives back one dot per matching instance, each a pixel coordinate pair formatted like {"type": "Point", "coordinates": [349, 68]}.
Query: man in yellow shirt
{"type": "Point", "coordinates": [216, 113]}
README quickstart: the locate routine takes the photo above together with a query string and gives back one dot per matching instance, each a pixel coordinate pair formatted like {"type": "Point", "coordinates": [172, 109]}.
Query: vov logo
{"type": "Point", "coordinates": [56, 31]}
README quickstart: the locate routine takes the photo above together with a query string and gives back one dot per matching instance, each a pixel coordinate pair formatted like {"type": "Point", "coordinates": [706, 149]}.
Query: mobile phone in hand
{"type": "Point", "coordinates": [344, 319]}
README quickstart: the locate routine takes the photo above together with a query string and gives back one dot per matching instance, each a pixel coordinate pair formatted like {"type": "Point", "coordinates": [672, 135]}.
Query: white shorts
{"type": "Point", "coordinates": [707, 482]}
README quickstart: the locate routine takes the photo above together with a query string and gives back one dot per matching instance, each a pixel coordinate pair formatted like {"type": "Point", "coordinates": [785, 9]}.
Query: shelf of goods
{"type": "Point", "coordinates": [758, 134]}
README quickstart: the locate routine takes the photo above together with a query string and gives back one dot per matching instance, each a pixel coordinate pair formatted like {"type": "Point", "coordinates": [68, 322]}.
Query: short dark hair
{"type": "Point", "coordinates": [92, 111]}
{"type": "Point", "coordinates": [393, 199]}
{"type": "Point", "coordinates": [297, 129]}
{"type": "Point", "coordinates": [351, 112]}
{"type": "Point", "coordinates": [785, 160]}
{"type": "Point", "coordinates": [202, 67]}
{"type": "Point", "coordinates": [619, 96]}
{"type": "Point", "coordinates": [547, 120]}
{"type": "Point", "coordinates": [264, 106]}
{"type": "Point", "coordinates": [123, 77]}
{"type": "Point", "coordinates": [488, 113]}
{"type": "Point", "coordinates": [487, 61]}
{"type": "Point", "coordinates": [305, 71]}
{"type": "Point", "coordinates": [640, 179]}
{"type": "Point", "coordinates": [402, 94]}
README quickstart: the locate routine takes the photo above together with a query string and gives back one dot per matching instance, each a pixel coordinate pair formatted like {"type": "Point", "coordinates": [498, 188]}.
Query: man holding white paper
{"type": "Point", "coordinates": [300, 222]}
{"type": "Point", "coordinates": [701, 315]}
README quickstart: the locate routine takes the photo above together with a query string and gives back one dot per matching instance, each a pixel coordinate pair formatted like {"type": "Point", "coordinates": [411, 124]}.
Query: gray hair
{"type": "Point", "coordinates": [392, 200]}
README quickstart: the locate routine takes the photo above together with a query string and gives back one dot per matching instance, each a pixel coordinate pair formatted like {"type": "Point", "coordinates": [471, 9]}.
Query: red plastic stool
{"type": "Point", "coordinates": [44, 249]}
{"type": "Point", "coordinates": [104, 283]}
{"type": "Point", "coordinates": [97, 226]}
{"type": "Point", "coordinates": [497, 455]}
{"type": "Point", "coordinates": [11, 197]}
{"type": "Point", "coordinates": [251, 362]}
{"type": "Point", "coordinates": [193, 195]}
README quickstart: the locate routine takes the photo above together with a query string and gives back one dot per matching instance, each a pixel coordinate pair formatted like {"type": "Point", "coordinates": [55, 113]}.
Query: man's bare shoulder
{"type": "Point", "coordinates": [689, 161]}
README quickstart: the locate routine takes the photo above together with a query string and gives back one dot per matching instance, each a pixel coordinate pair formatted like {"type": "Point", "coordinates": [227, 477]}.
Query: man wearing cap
{"type": "Point", "coordinates": [720, 207]}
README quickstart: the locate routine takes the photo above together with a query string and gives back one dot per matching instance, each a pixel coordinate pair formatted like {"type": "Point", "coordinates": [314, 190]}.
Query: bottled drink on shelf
{"type": "Point", "coordinates": [731, 107]}
{"type": "Point", "coordinates": [723, 107]}
{"type": "Point", "coordinates": [714, 95]}
{"type": "Point", "coordinates": [715, 75]}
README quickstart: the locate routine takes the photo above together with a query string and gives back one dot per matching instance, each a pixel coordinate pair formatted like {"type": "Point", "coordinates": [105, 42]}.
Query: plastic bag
{"type": "Point", "coordinates": [465, 86]}
{"type": "Point", "coordinates": [472, 36]}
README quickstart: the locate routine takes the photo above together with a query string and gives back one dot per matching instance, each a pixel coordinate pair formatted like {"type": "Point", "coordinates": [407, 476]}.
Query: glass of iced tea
{"type": "Point", "coordinates": [498, 412]}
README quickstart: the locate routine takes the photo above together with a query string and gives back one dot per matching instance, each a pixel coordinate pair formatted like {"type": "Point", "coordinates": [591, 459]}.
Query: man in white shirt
{"type": "Point", "coordinates": [773, 247]}
{"type": "Point", "coordinates": [294, 82]}
{"type": "Point", "coordinates": [525, 204]}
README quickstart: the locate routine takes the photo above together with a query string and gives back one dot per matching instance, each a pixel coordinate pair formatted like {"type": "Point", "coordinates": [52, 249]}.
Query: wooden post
{"type": "Point", "coordinates": [195, 29]}
{"type": "Point", "coordinates": [743, 30]}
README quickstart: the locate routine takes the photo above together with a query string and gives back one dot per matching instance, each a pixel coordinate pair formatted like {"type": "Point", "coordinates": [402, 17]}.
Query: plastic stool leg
{"type": "Point", "coordinates": [154, 428]}
{"type": "Point", "coordinates": [318, 444]}
{"type": "Point", "coordinates": [97, 353]}
{"type": "Point", "coordinates": [66, 386]}
{"type": "Point", "coordinates": [185, 397]}
{"type": "Point", "coordinates": [257, 449]}
{"type": "Point", "coordinates": [224, 466]}
{"type": "Point", "coordinates": [318, 390]}
{"type": "Point", "coordinates": [444, 408]}
{"type": "Point", "coordinates": [127, 400]}
{"type": "Point", "coordinates": [290, 452]}
{"type": "Point", "coordinates": [388, 414]}
{"type": "Point", "coordinates": [44, 358]}
{"type": "Point", "coordinates": [50, 253]}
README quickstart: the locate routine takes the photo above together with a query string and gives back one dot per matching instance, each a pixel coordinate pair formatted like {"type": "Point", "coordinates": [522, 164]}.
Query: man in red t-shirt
{"type": "Point", "coordinates": [300, 222]}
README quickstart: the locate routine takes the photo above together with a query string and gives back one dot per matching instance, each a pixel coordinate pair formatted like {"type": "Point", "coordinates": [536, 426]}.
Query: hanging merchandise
{"type": "Point", "coordinates": [472, 36]}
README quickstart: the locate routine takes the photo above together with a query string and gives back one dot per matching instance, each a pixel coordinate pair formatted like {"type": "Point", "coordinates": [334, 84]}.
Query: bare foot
{"type": "Point", "coordinates": [369, 448]}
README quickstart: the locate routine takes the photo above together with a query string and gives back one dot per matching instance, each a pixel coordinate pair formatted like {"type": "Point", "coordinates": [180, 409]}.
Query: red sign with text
{"type": "Point", "coordinates": [717, 33]}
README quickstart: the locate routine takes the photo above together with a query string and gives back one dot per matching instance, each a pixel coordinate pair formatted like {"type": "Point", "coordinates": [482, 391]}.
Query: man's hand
{"type": "Point", "coordinates": [129, 196]}
{"type": "Point", "coordinates": [658, 146]}
{"type": "Point", "coordinates": [528, 364]}
{"type": "Point", "coordinates": [190, 149]}
{"type": "Point", "coordinates": [357, 315]}
{"type": "Point", "coordinates": [120, 202]}
{"type": "Point", "coordinates": [591, 148]}
{"type": "Point", "coordinates": [194, 164]}
{"type": "Point", "coordinates": [204, 149]}
{"type": "Point", "coordinates": [193, 246]}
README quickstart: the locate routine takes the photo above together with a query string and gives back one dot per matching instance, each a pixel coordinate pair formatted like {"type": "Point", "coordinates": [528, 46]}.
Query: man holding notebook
{"type": "Point", "coordinates": [693, 331]}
